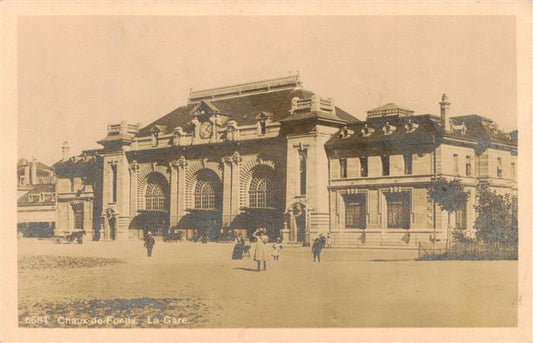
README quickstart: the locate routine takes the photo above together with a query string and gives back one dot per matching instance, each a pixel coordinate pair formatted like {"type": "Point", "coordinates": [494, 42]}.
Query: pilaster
{"type": "Point", "coordinates": [235, 184]}
{"type": "Point", "coordinates": [226, 191]}
{"type": "Point", "coordinates": [174, 193]}
{"type": "Point", "coordinates": [180, 198]}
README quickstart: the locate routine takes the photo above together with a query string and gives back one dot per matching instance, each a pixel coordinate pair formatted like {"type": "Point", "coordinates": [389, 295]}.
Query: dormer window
{"type": "Point", "coordinates": [411, 126]}
{"type": "Point", "coordinates": [156, 130]}
{"type": "Point", "coordinates": [388, 129]}
{"type": "Point", "coordinates": [367, 131]}
{"type": "Point", "coordinates": [345, 133]}
{"type": "Point", "coordinates": [262, 118]}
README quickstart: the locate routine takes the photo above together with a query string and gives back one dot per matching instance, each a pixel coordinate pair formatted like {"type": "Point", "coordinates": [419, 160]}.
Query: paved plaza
{"type": "Point", "coordinates": [198, 285]}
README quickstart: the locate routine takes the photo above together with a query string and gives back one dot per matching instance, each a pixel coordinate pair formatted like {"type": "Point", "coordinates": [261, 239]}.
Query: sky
{"type": "Point", "coordinates": [78, 74]}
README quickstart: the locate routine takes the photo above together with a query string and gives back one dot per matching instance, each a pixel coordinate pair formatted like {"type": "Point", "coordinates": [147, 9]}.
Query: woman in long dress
{"type": "Point", "coordinates": [261, 251]}
{"type": "Point", "coordinates": [238, 249]}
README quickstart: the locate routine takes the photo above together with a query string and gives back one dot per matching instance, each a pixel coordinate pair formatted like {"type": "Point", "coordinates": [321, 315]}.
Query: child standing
{"type": "Point", "coordinates": [276, 248]}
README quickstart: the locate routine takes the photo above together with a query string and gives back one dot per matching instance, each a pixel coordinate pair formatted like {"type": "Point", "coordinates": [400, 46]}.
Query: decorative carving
{"type": "Point", "coordinates": [206, 130]}
{"type": "Point", "coordinates": [232, 130]}
{"type": "Point", "coordinates": [153, 166]}
{"type": "Point", "coordinates": [134, 166]}
{"type": "Point", "coordinates": [203, 162]}
{"type": "Point", "coordinates": [182, 162]}
{"type": "Point", "coordinates": [236, 158]}
{"type": "Point", "coordinates": [177, 134]}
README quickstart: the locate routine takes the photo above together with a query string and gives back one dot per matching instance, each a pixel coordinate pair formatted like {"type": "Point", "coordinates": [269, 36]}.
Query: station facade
{"type": "Point", "coordinates": [273, 154]}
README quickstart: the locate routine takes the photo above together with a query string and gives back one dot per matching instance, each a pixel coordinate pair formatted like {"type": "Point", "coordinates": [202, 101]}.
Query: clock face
{"type": "Point", "coordinates": [206, 130]}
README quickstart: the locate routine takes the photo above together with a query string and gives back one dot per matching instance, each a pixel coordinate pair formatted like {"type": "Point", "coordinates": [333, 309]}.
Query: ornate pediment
{"type": "Point", "coordinates": [204, 108]}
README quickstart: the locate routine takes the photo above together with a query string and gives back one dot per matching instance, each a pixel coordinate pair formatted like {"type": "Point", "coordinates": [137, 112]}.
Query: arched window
{"type": "Point", "coordinates": [155, 195]}
{"type": "Point", "coordinates": [204, 195]}
{"type": "Point", "coordinates": [207, 191]}
{"type": "Point", "coordinates": [262, 190]}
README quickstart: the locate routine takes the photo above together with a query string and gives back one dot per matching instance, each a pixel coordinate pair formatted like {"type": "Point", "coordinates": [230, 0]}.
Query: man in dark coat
{"type": "Point", "coordinates": [149, 243]}
{"type": "Point", "coordinates": [318, 245]}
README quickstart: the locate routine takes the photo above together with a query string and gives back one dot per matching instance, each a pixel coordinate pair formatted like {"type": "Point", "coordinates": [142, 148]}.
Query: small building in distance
{"type": "Point", "coordinates": [36, 211]}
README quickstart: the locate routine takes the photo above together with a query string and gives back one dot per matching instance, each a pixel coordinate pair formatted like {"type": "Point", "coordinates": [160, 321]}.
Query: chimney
{"type": "Point", "coordinates": [444, 113]}
{"type": "Point", "coordinates": [26, 173]}
{"type": "Point", "coordinates": [66, 151]}
{"type": "Point", "coordinates": [34, 172]}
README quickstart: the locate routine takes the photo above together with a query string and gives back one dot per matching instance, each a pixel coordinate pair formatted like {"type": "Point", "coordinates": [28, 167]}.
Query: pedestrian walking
{"type": "Point", "coordinates": [261, 252]}
{"type": "Point", "coordinates": [318, 245]}
{"type": "Point", "coordinates": [238, 249]}
{"type": "Point", "coordinates": [276, 249]}
{"type": "Point", "coordinates": [149, 243]}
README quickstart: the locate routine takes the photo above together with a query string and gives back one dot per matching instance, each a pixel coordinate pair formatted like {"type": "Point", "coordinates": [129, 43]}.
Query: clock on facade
{"type": "Point", "coordinates": [206, 130]}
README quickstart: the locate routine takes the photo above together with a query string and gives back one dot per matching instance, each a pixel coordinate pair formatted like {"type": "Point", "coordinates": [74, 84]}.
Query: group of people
{"type": "Point", "coordinates": [262, 250]}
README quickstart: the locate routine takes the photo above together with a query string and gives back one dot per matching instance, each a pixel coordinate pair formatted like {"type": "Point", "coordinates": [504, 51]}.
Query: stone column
{"type": "Point", "coordinates": [105, 235]}
{"type": "Point", "coordinates": [180, 198]}
{"type": "Point", "coordinates": [235, 185]}
{"type": "Point", "coordinates": [285, 232]}
{"type": "Point", "coordinates": [173, 193]}
{"type": "Point", "coordinates": [226, 191]}
{"type": "Point", "coordinates": [134, 170]}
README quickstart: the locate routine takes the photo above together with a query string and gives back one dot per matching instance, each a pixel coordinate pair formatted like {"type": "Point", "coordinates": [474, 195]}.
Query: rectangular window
{"type": "Point", "coordinates": [398, 210]}
{"type": "Point", "coordinates": [468, 166]}
{"type": "Point", "coordinates": [71, 184]}
{"type": "Point", "coordinates": [303, 171]}
{"type": "Point", "coordinates": [408, 164]}
{"type": "Point", "coordinates": [355, 211]}
{"type": "Point", "coordinates": [499, 170]}
{"type": "Point", "coordinates": [263, 126]}
{"type": "Point", "coordinates": [455, 164]}
{"type": "Point", "coordinates": [364, 166]}
{"type": "Point", "coordinates": [460, 218]}
{"type": "Point", "coordinates": [385, 165]}
{"type": "Point", "coordinates": [77, 210]}
{"type": "Point", "coordinates": [114, 171]}
{"type": "Point", "coordinates": [343, 164]}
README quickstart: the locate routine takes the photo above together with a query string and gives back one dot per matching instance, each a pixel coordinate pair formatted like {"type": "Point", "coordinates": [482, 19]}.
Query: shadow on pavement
{"type": "Point", "coordinates": [246, 269]}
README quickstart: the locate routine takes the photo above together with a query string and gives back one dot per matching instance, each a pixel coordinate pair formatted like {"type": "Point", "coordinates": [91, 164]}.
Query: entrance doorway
{"type": "Point", "coordinates": [298, 223]}
{"type": "Point", "coordinates": [156, 222]}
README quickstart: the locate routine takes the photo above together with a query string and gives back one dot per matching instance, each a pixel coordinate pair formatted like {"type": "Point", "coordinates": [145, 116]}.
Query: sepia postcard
{"type": "Point", "coordinates": [253, 171]}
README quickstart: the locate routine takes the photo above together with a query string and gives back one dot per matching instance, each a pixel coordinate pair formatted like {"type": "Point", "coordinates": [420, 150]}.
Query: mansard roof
{"type": "Point", "coordinates": [37, 190]}
{"type": "Point", "coordinates": [482, 129]}
{"type": "Point", "coordinates": [82, 165]}
{"type": "Point", "coordinates": [418, 132]}
{"type": "Point", "coordinates": [242, 109]}
{"type": "Point", "coordinates": [387, 134]}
